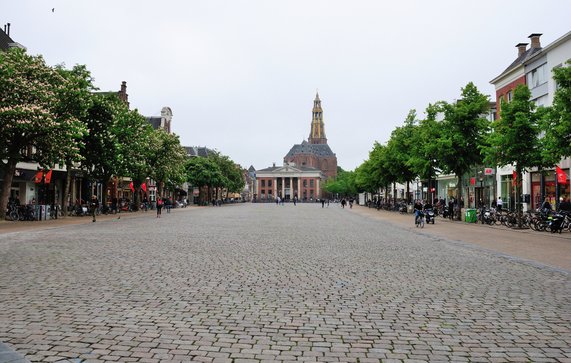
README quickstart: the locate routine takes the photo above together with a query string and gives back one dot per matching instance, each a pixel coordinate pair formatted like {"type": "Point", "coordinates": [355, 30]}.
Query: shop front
{"type": "Point", "coordinates": [554, 188]}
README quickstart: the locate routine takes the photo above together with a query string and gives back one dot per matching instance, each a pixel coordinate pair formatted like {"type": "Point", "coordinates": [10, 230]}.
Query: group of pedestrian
{"type": "Point", "coordinates": [163, 203]}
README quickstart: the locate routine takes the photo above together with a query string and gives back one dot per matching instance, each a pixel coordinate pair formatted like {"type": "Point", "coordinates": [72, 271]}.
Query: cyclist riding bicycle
{"type": "Point", "coordinates": [417, 210]}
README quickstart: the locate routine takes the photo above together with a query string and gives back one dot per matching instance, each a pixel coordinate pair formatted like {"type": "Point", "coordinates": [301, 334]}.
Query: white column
{"type": "Point", "coordinates": [275, 181]}
{"type": "Point", "coordinates": [298, 187]}
{"type": "Point", "coordinates": [283, 187]}
{"type": "Point", "coordinates": [291, 187]}
{"type": "Point", "coordinates": [318, 191]}
{"type": "Point", "coordinates": [258, 189]}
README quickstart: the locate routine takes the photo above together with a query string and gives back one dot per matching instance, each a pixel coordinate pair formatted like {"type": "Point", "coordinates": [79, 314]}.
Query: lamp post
{"type": "Point", "coordinates": [417, 197]}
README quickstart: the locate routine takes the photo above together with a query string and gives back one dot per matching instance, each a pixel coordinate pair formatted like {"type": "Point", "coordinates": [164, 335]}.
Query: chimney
{"type": "Point", "coordinates": [8, 29]}
{"type": "Point", "coordinates": [521, 48]}
{"type": "Point", "coordinates": [535, 44]}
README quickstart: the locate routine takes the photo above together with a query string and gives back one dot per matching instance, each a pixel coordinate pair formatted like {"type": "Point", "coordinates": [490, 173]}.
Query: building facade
{"type": "Point", "coordinates": [289, 181]}
{"type": "Point", "coordinates": [533, 67]}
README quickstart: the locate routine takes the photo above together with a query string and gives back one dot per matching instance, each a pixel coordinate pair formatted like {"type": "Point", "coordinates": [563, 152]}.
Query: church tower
{"type": "Point", "coordinates": [317, 134]}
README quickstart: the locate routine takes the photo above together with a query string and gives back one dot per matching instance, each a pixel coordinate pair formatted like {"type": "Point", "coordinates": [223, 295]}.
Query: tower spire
{"type": "Point", "coordinates": [317, 134]}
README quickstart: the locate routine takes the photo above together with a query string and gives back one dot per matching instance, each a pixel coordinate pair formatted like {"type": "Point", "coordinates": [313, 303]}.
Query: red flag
{"type": "Point", "coordinates": [131, 186]}
{"type": "Point", "coordinates": [48, 177]}
{"type": "Point", "coordinates": [38, 177]}
{"type": "Point", "coordinates": [472, 181]}
{"type": "Point", "coordinates": [144, 187]}
{"type": "Point", "coordinates": [561, 175]}
{"type": "Point", "coordinates": [514, 175]}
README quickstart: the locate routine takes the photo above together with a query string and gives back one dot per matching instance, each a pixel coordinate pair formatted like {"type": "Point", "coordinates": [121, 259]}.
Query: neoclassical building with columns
{"type": "Point", "coordinates": [289, 181]}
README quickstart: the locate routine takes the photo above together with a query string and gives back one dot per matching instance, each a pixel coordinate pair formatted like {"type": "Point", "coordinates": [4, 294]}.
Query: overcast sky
{"type": "Point", "coordinates": [241, 76]}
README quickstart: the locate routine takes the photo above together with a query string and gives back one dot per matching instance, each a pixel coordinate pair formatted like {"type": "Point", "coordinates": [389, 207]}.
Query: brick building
{"type": "Point", "coordinates": [315, 152]}
{"type": "Point", "coordinates": [289, 181]}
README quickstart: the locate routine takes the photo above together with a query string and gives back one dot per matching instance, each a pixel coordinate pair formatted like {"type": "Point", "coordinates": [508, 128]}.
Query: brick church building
{"type": "Point", "coordinates": [306, 167]}
{"type": "Point", "coordinates": [315, 152]}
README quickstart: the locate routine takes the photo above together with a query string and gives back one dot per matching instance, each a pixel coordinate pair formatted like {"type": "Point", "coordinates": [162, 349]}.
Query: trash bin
{"type": "Point", "coordinates": [471, 216]}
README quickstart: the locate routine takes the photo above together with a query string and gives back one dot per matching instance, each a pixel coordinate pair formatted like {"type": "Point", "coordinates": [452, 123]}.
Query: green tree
{"type": "Point", "coordinates": [400, 148]}
{"type": "Point", "coordinates": [100, 149]}
{"type": "Point", "coordinates": [426, 145]}
{"type": "Point", "coordinates": [73, 103]}
{"type": "Point", "coordinates": [134, 135]}
{"type": "Point", "coordinates": [232, 179]}
{"type": "Point", "coordinates": [515, 137]}
{"type": "Point", "coordinates": [557, 119]}
{"type": "Point", "coordinates": [166, 159]}
{"type": "Point", "coordinates": [203, 173]}
{"type": "Point", "coordinates": [464, 131]}
{"type": "Point", "coordinates": [343, 184]}
{"type": "Point", "coordinates": [30, 128]}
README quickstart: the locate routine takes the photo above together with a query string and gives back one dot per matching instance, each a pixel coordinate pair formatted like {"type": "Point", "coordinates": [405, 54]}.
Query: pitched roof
{"type": "Point", "coordinates": [155, 121]}
{"type": "Point", "coordinates": [197, 151]}
{"type": "Point", "coordinates": [289, 167]}
{"type": "Point", "coordinates": [5, 41]}
{"type": "Point", "coordinates": [313, 149]}
{"type": "Point", "coordinates": [518, 61]}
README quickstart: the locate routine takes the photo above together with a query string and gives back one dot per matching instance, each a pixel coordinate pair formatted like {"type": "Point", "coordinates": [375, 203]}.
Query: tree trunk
{"type": "Point", "coordinates": [408, 192]}
{"type": "Point", "coordinates": [458, 212]}
{"type": "Point", "coordinates": [518, 193]}
{"type": "Point", "coordinates": [9, 169]}
{"type": "Point", "coordinates": [137, 188]}
{"type": "Point", "coordinates": [67, 190]}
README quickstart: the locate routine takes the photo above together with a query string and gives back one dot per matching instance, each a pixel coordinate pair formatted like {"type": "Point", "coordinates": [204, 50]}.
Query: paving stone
{"type": "Point", "coordinates": [256, 283]}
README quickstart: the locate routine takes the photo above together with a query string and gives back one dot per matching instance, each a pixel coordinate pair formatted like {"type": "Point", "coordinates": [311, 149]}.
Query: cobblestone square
{"type": "Point", "coordinates": [265, 283]}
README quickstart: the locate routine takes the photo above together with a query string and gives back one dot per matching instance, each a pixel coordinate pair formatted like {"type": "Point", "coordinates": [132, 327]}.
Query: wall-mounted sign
{"type": "Point", "coordinates": [488, 171]}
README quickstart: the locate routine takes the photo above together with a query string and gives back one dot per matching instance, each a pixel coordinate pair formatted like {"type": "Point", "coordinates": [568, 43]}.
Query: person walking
{"type": "Point", "coordinates": [343, 202]}
{"type": "Point", "coordinates": [499, 204]}
{"type": "Point", "coordinates": [159, 207]}
{"type": "Point", "coordinates": [168, 205]}
{"type": "Point", "coordinates": [322, 203]}
{"type": "Point", "coordinates": [94, 205]}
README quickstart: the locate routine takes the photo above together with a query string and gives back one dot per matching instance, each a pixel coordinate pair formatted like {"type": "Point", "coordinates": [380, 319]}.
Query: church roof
{"type": "Point", "coordinates": [289, 168]}
{"type": "Point", "coordinates": [313, 149]}
{"type": "Point", "coordinates": [197, 151]}
{"type": "Point", "coordinates": [155, 121]}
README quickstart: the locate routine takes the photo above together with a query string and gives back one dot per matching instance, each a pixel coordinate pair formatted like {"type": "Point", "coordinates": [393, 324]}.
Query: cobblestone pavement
{"type": "Point", "coordinates": [256, 283]}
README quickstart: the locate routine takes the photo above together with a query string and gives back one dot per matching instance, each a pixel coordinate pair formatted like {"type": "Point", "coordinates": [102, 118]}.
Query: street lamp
{"type": "Point", "coordinates": [417, 194]}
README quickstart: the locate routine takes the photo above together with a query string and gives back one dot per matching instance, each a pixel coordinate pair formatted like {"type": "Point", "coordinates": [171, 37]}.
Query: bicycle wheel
{"type": "Point", "coordinates": [421, 222]}
{"type": "Point", "coordinates": [14, 215]}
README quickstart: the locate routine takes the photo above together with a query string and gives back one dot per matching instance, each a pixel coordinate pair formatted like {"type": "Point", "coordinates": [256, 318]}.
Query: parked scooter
{"type": "Point", "coordinates": [555, 222]}
{"type": "Point", "coordinates": [489, 217]}
{"type": "Point", "coordinates": [429, 215]}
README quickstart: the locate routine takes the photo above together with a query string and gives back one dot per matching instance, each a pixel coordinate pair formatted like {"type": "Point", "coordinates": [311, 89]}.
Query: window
{"type": "Point", "coordinates": [263, 183]}
{"type": "Point", "coordinates": [311, 183]}
{"type": "Point", "coordinates": [537, 77]}
{"type": "Point", "coordinates": [509, 96]}
{"type": "Point", "coordinates": [304, 183]}
{"type": "Point", "coordinates": [269, 183]}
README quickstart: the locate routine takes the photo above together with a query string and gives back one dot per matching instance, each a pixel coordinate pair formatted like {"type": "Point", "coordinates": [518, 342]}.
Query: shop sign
{"type": "Point", "coordinates": [488, 171]}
